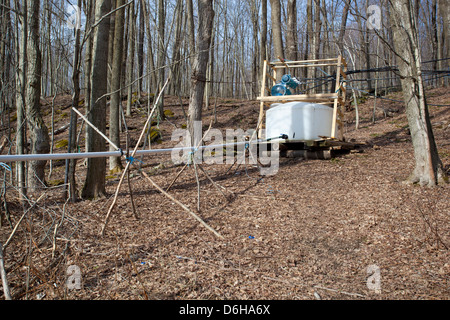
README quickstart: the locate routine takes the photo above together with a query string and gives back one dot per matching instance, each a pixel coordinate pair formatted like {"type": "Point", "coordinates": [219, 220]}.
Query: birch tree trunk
{"type": "Point", "coordinates": [94, 185]}
{"type": "Point", "coordinates": [39, 137]}
{"type": "Point", "coordinates": [428, 169]}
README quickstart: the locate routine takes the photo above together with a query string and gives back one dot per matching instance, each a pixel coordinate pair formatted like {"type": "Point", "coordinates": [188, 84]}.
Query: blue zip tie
{"type": "Point", "coordinates": [4, 165]}
{"type": "Point", "coordinates": [131, 159]}
{"type": "Point", "coordinates": [191, 154]}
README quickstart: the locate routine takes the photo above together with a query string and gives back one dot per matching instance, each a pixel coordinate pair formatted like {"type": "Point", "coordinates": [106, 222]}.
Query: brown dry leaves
{"type": "Point", "coordinates": [314, 227]}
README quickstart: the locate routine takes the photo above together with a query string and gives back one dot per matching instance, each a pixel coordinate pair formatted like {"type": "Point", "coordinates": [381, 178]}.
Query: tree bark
{"type": "Point", "coordinates": [161, 54]}
{"type": "Point", "coordinates": [94, 185]}
{"type": "Point", "coordinates": [340, 43]}
{"type": "Point", "coordinates": [130, 58]}
{"type": "Point", "coordinates": [115, 105]}
{"type": "Point", "coordinates": [191, 30]}
{"type": "Point", "coordinates": [198, 77]}
{"type": "Point", "coordinates": [71, 164]}
{"type": "Point", "coordinates": [444, 12]}
{"type": "Point", "coordinates": [277, 37]}
{"type": "Point", "coordinates": [291, 34]}
{"type": "Point", "coordinates": [428, 169]}
{"type": "Point", "coordinates": [39, 137]}
{"type": "Point", "coordinates": [20, 96]}
{"type": "Point", "coordinates": [263, 48]}
{"type": "Point", "coordinates": [140, 52]}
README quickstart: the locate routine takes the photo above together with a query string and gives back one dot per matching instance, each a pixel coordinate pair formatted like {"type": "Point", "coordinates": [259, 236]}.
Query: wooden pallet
{"type": "Point", "coordinates": [335, 100]}
{"type": "Point", "coordinates": [318, 149]}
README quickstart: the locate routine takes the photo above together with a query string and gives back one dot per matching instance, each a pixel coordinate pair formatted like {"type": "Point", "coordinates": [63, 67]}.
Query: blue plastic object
{"type": "Point", "coordinates": [280, 89]}
{"type": "Point", "coordinates": [290, 81]}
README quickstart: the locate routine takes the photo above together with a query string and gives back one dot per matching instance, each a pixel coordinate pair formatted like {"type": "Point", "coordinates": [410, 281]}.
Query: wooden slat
{"type": "Point", "coordinates": [301, 61]}
{"type": "Point", "coordinates": [261, 106]}
{"type": "Point", "coordinates": [301, 97]}
{"type": "Point", "coordinates": [307, 65]}
{"type": "Point", "coordinates": [270, 76]}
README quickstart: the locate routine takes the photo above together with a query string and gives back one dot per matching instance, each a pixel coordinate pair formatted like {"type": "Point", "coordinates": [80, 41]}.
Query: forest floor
{"type": "Point", "coordinates": [317, 228]}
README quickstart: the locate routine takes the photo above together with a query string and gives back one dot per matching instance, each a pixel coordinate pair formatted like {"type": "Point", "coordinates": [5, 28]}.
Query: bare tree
{"type": "Point", "coordinates": [444, 12]}
{"type": "Point", "coordinates": [340, 41]}
{"type": "Point", "coordinates": [116, 75]}
{"type": "Point", "coordinates": [39, 137]}
{"type": "Point", "coordinates": [198, 77]}
{"type": "Point", "coordinates": [94, 185]}
{"type": "Point", "coordinates": [277, 36]}
{"type": "Point", "coordinates": [291, 34]}
{"type": "Point", "coordinates": [20, 93]}
{"type": "Point", "coordinates": [428, 169]}
{"type": "Point", "coordinates": [71, 164]}
{"type": "Point", "coordinates": [130, 57]}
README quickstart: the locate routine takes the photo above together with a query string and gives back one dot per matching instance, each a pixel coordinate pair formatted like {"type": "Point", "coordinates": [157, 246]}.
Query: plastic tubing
{"type": "Point", "coordinates": [118, 153]}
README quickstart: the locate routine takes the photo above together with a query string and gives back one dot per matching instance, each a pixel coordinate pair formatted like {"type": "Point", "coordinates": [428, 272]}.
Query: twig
{"type": "Point", "coordinates": [95, 128]}
{"type": "Point", "coordinates": [3, 275]}
{"type": "Point", "coordinates": [20, 220]}
{"type": "Point", "coordinates": [128, 172]}
{"type": "Point", "coordinates": [173, 181]}
{"type": "Point", "coordinates": [213, 182]}
{"type": "Point", "coordinates": [182, 205]}
{"type": "Point", "coordinates": [132, 155]}
{"type": "Point", "coordinates": [195, 165]}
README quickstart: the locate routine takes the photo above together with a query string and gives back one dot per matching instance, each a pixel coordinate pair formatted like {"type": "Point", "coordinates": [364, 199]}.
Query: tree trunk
{"type": "Point", "coordinates": [190, 30]}
{"type": "Point", "coordinates": [40, 142]}
{"type": "Point", "coordinates": [444, 12]}
{"type": "Point", "coordinates": [428, 166]}
{"type": "Point", "coordinates": [94, 185]}
{"type": "Point", "coordinates": [309, 52]}
{"type": "Point", "coordinates": [116, 102]}
{"type": "Point", "coordinates": [130, 58]}
{"type": "Point", "coordinates": [263, 48]}
{"type": "Point", "coordinates": [140, 52]}
{"type": "Point", "coordinates": [20, 96]}
{"type": "Point", "coordinates": [340, 43]}
{"type": "Point", "coordinates": [198, 78]}
{"type": "Point", "coordinates": [161, 54]}
{"type": "Point", "coordinates": [150, 62]}
{"type": "Point", "coordinates": [277, 36]}
{"type": "Point", "coordinates": [71, 164]}
{"type": "Point", "coordinates": [88, 62]}
{"type": "Point", "coordinates": [291, 34]}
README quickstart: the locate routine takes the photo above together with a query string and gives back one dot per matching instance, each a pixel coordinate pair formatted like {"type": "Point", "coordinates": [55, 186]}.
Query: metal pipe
{"type": "Point", "coordinates": [58, 156]}
{"type": "Point", "coordinates": [118, 153]}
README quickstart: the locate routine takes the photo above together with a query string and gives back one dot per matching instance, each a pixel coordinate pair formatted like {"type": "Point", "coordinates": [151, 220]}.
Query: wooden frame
{"type": "Point", "coordinates": [335, 99]}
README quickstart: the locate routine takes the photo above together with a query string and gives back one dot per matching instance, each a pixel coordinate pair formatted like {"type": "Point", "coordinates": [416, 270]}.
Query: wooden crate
{"type": "Point", "coordinates": [335, 100]}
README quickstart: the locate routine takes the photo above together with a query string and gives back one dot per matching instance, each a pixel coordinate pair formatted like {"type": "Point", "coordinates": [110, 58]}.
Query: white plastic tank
{"type": "Point", "coordinates": [299, 120]}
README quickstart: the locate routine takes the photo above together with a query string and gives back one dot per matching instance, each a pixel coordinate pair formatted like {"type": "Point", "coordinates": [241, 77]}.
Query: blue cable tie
{"type": "Point", "coordinates": [191, 154]}
{"type": "Point", "coordinates": [4, 165]}
{"type": "Point", "coordinates": [131, 159]}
